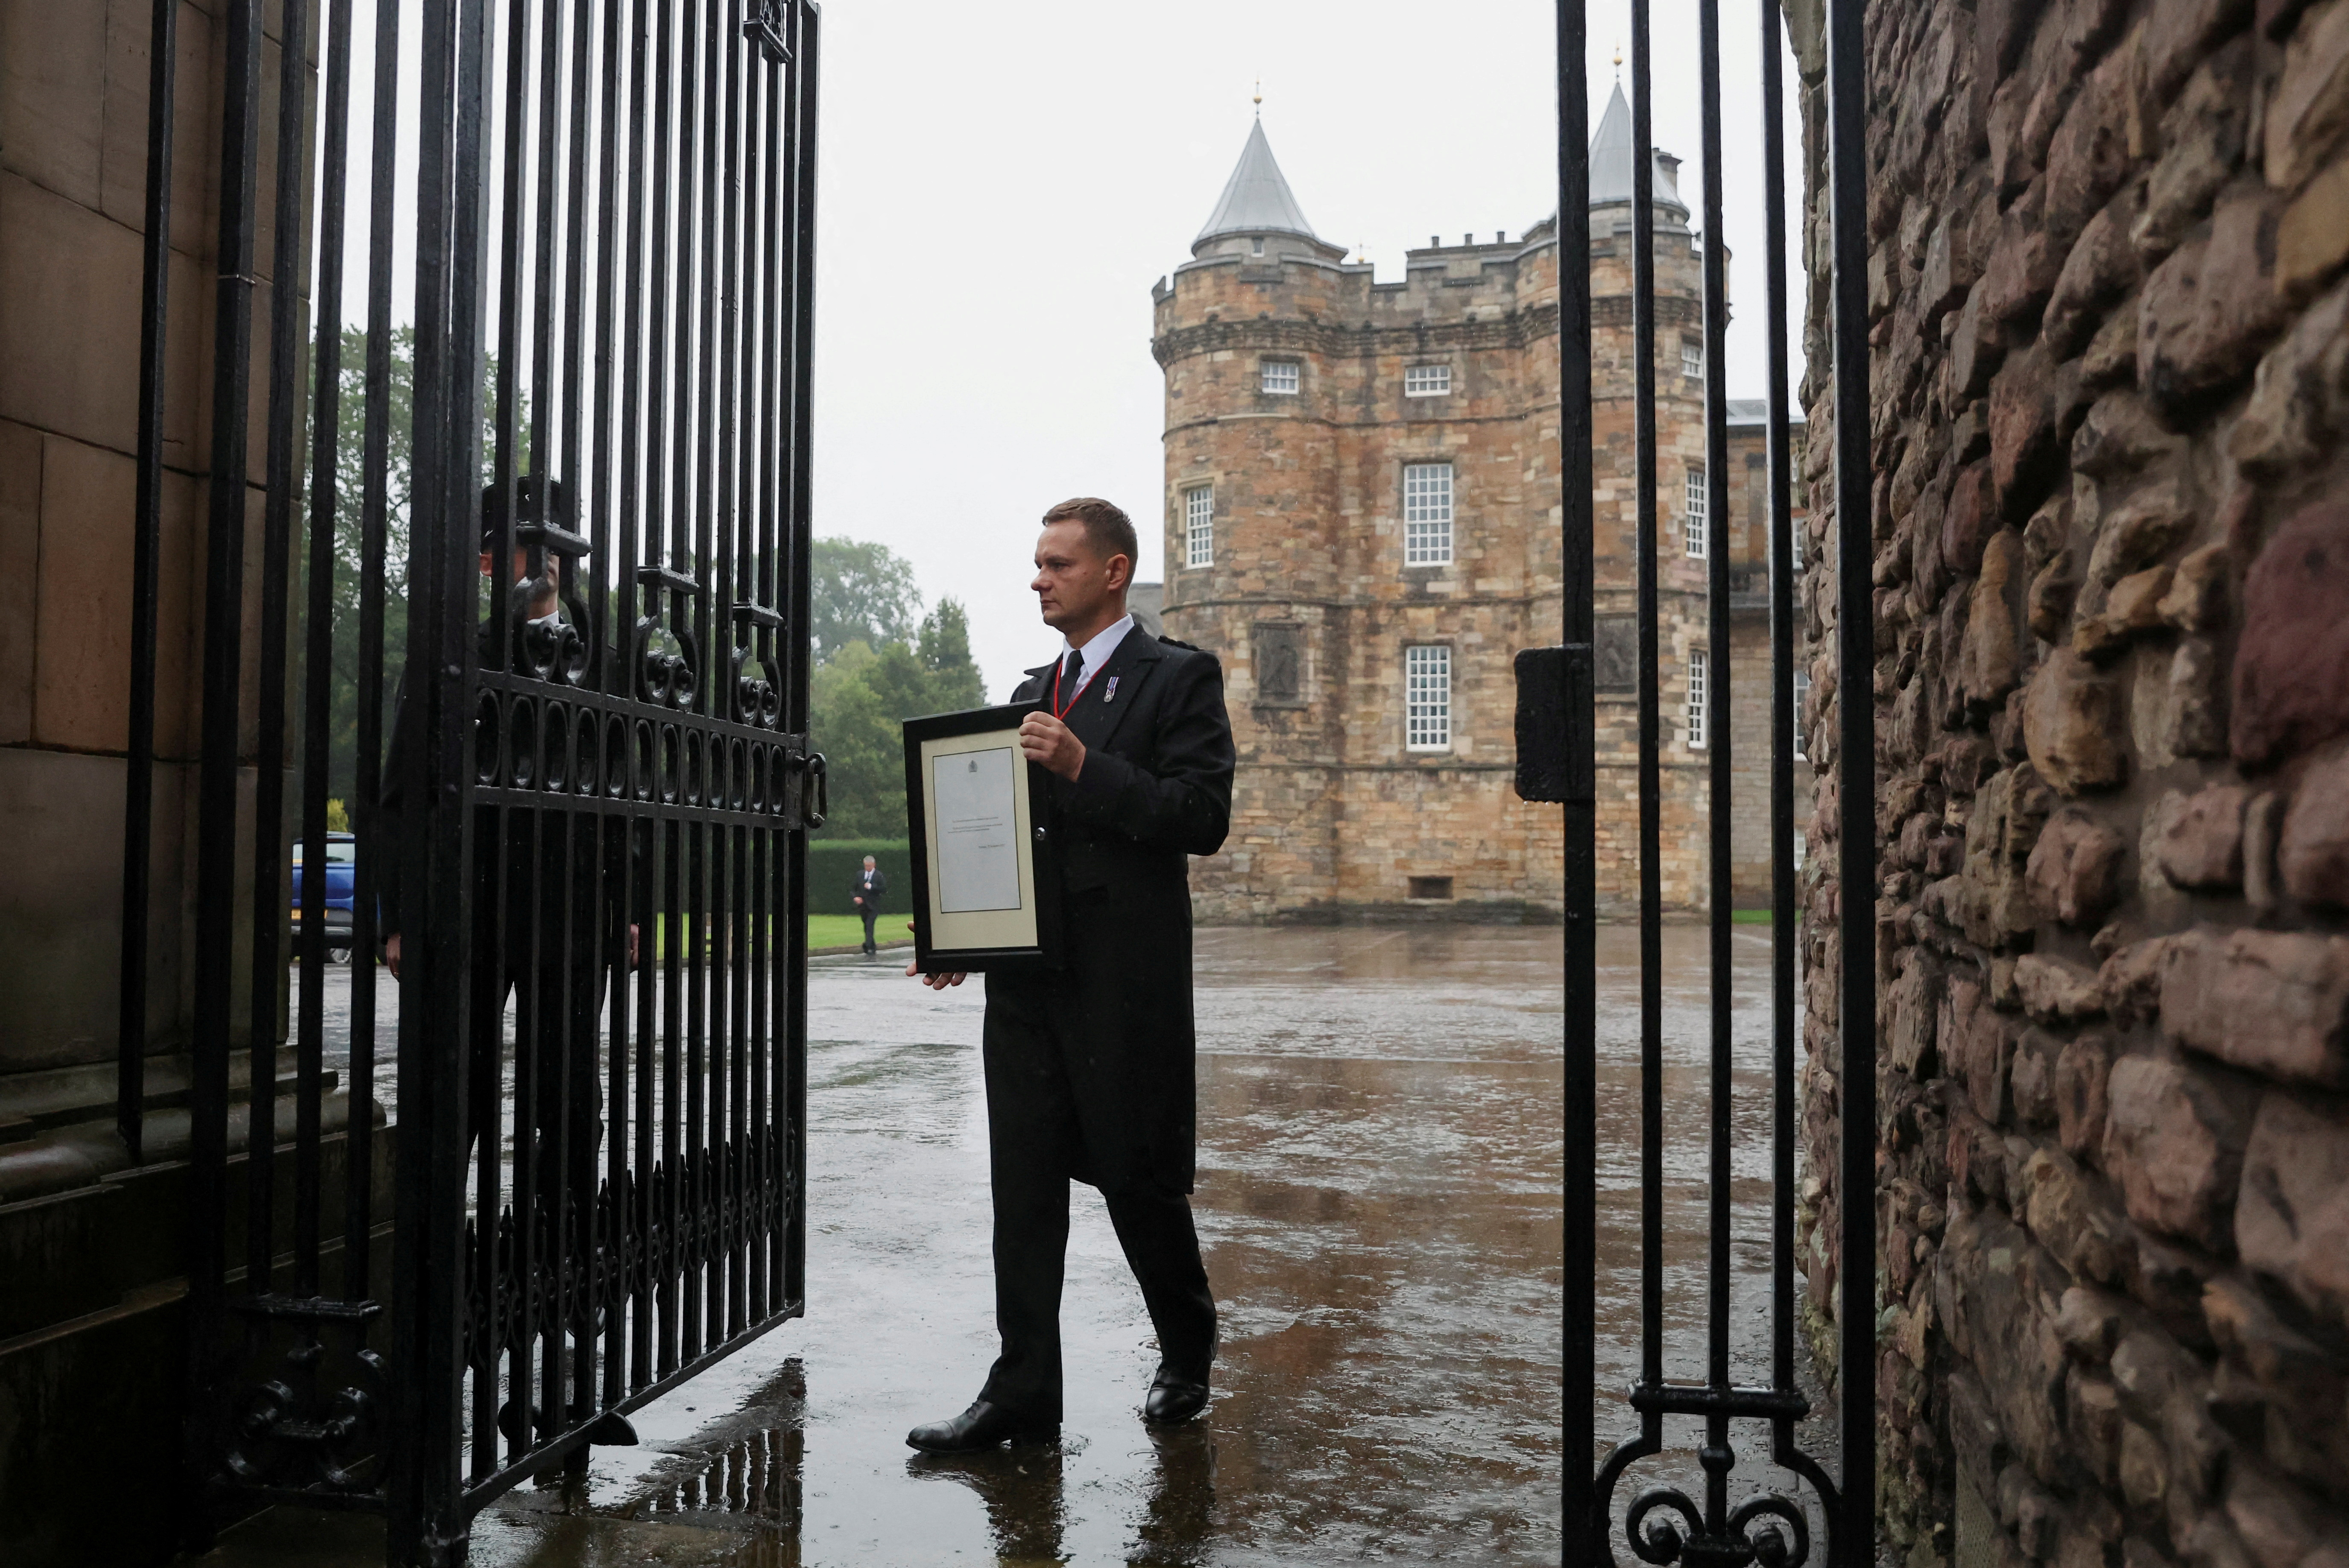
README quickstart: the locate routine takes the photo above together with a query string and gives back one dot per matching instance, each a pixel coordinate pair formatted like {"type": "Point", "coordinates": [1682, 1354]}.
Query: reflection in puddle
{"type": "Point", "coordinates": [1022, 1490]}
{"type": "Point", "coordinates": [1025, 1494]}
{"type": "Point", "coordinates": [1379, 1166]}
{"type": "Point", "coordinates": [757, 1477]}
{"type": "Point", "coordinates": [748, 1470]}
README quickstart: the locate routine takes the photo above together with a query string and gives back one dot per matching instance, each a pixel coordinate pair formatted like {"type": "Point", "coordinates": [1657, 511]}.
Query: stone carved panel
{"type": "Point", "coordinates": [1615, 653]}
{"type": "Point", "coordinates": [1279, 650]}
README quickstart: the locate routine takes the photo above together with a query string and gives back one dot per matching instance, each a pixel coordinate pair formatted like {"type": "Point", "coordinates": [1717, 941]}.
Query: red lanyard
{"type": "Point", "coordinates": [1075, 697]}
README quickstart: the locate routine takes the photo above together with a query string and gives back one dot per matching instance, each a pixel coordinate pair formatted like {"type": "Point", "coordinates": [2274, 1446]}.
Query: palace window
{"type": "Point", "coordinates": [1427, 698]}
{"type": "Point", "coordinates": [1797, 532]}
{"type": "Point", "coordinates": [1695, 528]}
{"type": "Point", "coordinates": [1280, 377]}
{"type": "Point", "coordinates": [1692, 357]}
{"type": "Point", "coordinates": [1426, 380]}
{"type": "Point", "coordinates": [1426, 513]}
{"type": "Point", "coordinates": [1429, 886]}
{"type": "Point", "coordinates": [1693, 715]}
{"type": "Point", "coordinates": [1802, 701]}
{"type": "Point", "coordinates": [1199, 526]}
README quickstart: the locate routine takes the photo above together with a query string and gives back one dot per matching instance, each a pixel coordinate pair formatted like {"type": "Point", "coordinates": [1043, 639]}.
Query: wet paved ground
{"type": "Point", "coordinates": [1379, 1200]}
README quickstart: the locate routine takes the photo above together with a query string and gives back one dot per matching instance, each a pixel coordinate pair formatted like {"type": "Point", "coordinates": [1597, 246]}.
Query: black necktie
{"type": "Point", "coordinates": [1072, 674]}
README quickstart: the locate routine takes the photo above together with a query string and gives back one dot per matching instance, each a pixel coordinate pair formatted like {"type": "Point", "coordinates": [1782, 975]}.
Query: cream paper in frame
{"type": "Point", "coordinates": [959, 929]}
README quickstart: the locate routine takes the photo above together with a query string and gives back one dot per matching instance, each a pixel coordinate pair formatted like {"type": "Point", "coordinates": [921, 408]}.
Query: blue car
{"type": "Point", "coordinates": [342, 865]}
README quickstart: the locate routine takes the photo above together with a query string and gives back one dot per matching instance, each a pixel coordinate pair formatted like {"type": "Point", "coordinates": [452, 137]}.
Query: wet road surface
{"type": "Point", "coordinates": [1378, 1191]}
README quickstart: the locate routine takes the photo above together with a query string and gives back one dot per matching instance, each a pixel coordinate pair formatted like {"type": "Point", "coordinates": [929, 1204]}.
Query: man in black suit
{"type": "Point", "coordinates": [870, 885]}
{"type": "Point", "coordinates": [1090, 1062]}
{"type": "Point", "coordinates": [539, 930]}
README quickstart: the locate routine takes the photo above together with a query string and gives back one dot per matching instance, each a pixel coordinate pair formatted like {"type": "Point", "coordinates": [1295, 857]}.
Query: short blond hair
{"type": "Point", "coordinates": [1107, 529]}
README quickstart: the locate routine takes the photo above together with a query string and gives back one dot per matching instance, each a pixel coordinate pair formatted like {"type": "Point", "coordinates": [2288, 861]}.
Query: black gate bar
{"type": "Point", "coordinates": [1580, 1328]}
{"type": "Point", "coordinates": [146, 548]}
{"type": "Point", "coordinates": [1784, 940]}
{"type": "Point", "coordinates": [1663, 1524]}
{"type": "Point", "coordinates": [280, 472]}
{"type": "Point", "coordinates": [1855, 761]}
{"type": "Point", "coordinates": [216, 808]}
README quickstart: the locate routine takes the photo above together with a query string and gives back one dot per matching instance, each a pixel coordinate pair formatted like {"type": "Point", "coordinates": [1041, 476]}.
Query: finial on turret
{"type": "Point", "coordinates": [1619, 59]}
{"type": "Point", "coordinates": [1259, 97]}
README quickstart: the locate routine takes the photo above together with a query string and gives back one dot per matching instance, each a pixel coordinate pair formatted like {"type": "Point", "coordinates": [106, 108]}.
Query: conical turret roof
{"type": "Point", "coordinates": [1610, 161]}
{"type": "Point", "coordinates": [1256, 199]}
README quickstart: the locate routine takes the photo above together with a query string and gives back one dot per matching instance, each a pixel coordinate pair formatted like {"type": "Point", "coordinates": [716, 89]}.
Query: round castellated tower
{"type": "Point", "coordinates": [1361, 522]}
{"type": "Point", "coordinates": [1680, 586]}
{"type": "Point", "coordinates": [1361, 517]}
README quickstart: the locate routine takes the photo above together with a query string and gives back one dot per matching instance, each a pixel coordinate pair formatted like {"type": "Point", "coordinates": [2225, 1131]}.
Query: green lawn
{"type": "Point", "coordinates": [824, 931]}
{"type": "Point", "coordinates": [848, 931]}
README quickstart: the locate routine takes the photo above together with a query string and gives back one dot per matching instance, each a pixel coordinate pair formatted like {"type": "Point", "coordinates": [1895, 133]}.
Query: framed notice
{"type": "Point", "coordinates": [983, 892]}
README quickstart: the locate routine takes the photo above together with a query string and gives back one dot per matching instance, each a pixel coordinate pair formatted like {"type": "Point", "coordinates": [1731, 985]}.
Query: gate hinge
{"type": "Point", "coordinates": [1554, 724]}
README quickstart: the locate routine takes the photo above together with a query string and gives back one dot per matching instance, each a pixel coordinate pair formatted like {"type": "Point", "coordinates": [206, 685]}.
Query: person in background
{"type": "Point", "coordinates": [540, 928]}
{"type": "Point", "coordinates": [870, 885]}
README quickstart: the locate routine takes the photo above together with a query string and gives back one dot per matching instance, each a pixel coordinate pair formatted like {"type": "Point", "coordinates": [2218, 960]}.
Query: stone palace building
{"type": "Point", "coordinates": [1363, 520]}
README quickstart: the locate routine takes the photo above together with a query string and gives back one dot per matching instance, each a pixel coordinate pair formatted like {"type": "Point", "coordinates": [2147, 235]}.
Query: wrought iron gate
{"type": "Point", "coordinates": [1557, 729]}
{"type": "Point", "coordinates": [578, 781]}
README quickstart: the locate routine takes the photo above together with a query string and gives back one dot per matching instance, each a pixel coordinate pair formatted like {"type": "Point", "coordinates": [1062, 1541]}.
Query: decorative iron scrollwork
{"type": "Point", "coordinates": [553, 647]}
{"type": "Point", "coordinates": [1735, 1545]}
{"type": "Point", "coordinates": [756, 673]}
{"type": "Point", "coordinates": [815, 803]}
{"type": "Point", "coordinates": [313, 1420]}
{"type": "Point", "coordinates": [667, 656]}
{"type": "Point", "coordinates": [768, 26]}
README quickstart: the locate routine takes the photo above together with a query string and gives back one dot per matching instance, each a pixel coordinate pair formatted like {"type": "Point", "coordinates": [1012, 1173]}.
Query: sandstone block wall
{"type": "Point", "coordinates": [1333, 817]}
{"type": "Point", "coordinates": [2110, 524]}
{"type": "Point", "coordinates": [1333, 814]}
{"type": "Point", "coordinates": [73, 173]}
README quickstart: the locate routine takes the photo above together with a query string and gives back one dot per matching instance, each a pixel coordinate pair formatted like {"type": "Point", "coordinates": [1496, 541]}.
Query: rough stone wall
{"type": "Point", "coordinates": [2110, 389]}
{"type": "Point", "coordinates": [1745, 538]}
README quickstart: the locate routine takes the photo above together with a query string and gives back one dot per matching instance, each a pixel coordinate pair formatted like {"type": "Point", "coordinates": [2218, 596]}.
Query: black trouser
{"type": "Point", "coordinates": [1035, 1148]}
{"type": "Point", "coordinates": [871, 915]}
{"type": "Point", "coordinates": [558, 1087]}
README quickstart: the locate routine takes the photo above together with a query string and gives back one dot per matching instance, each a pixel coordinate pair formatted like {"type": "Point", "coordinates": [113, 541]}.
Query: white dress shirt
{"type": "Point", "coordinates": [1096, 651]}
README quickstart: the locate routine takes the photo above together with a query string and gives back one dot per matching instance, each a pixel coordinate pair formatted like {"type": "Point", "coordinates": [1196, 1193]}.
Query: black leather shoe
{"type": "Point", "coordinates": [983, 1426]}
{"type": "Point", "coordinates": [1173, 1400]}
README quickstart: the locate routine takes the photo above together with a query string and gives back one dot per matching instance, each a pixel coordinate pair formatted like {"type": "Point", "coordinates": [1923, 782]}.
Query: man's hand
{"type": "Point", "coordinates": [935, 982]}
{"type": "Point", "coordinates": [1044, 739]}
{"type": "Point", "coordinates": [633, 932]}
{"type": "Point", "coordinates": [391, 953]}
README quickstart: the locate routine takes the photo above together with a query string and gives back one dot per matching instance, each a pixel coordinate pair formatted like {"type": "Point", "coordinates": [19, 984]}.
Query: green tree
{"type": "Point", "coordinates": [860, 696]}
{"type": "Point", "coordinates": [861, 593]}
{"type": "Point", "coordinates": [349, 557]}
{"type": "Point", "coordinates": [350, 554]}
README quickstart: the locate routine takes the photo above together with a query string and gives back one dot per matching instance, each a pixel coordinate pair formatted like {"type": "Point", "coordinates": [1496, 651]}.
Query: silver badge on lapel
{"type": "Point", "coordinates": [1111, 695]}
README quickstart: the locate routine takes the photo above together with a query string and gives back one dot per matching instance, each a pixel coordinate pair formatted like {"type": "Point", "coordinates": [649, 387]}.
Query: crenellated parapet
{"type": "Point", "coordinates": [1362, 522]}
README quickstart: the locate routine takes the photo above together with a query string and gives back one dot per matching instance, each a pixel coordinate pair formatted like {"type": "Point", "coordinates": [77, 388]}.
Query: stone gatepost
{"type": "Point", "coordinates": [89, 1343]}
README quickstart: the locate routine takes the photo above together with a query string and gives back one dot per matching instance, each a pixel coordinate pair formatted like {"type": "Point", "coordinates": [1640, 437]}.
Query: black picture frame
{"type": "Point", "coordinates": [942, 952]}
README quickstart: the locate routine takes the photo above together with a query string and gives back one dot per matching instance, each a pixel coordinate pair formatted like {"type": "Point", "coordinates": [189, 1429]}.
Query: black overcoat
{"type": "Point", "coordinates": [1156, 788]}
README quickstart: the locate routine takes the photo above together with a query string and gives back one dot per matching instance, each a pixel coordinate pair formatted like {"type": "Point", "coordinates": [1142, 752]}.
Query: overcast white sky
{"type": "Point", "coordinates": [1001, 184]}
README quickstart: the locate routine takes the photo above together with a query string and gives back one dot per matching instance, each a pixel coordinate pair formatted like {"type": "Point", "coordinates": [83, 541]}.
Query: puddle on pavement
{"type": "Point", "coordinates": [1378, 1198]}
